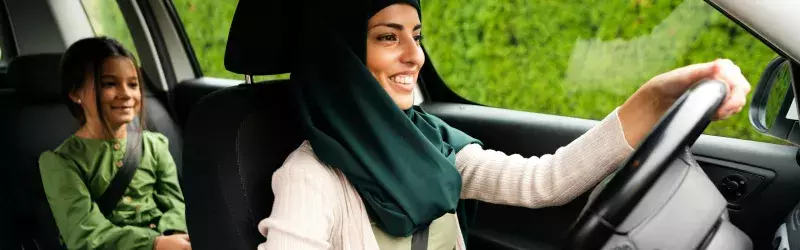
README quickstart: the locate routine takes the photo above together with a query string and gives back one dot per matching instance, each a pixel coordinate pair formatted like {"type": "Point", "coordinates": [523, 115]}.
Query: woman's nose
{"type": "Point", "coordinates": [412, 53]}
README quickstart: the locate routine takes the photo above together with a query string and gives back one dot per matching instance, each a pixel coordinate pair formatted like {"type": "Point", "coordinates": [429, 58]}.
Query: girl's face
{"type": "Point", "coordinates": [120, 94]}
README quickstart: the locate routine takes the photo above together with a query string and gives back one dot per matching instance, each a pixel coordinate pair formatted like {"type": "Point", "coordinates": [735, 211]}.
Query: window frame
{"type": "Point", "coordinates": [750, 30]}
{"type": "Point", "coordinates": [8, 43]}
{"type": "Point", "coordinates": [158, 42]}
{"type": "Point", "coordinates": [174, 16]}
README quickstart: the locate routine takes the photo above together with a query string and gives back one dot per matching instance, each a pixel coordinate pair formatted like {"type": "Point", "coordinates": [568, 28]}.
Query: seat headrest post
{"type": "Point", "coordinates": [248, 79]}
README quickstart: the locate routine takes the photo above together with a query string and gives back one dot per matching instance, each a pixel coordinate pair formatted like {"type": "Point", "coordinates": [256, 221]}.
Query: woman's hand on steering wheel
{"type": "Point", "coordinates": [644, 108]}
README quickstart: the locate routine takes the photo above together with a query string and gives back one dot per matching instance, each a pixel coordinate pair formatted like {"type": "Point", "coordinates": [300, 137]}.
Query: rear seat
{"type": "Point", "coordinates": [40, 121]}
{"type": "Point", "coordinates": [8, 220]}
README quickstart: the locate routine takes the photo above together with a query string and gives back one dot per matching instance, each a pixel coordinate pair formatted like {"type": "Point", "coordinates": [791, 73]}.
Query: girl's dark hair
{"type": "Point", "coordinates": [88, 56]}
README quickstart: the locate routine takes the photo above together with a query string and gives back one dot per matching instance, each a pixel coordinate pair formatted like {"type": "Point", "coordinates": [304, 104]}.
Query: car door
{"type": "Point", "coordinates": [529, 77]}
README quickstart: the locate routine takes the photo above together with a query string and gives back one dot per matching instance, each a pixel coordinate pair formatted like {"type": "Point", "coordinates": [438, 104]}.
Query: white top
{"type": "Point", "coordinates": [316, 207]}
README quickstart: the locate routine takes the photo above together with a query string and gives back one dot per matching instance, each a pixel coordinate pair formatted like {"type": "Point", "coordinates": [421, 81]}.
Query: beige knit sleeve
{"type": "Point", "coordinates": [302, 216]}
{"type": "Point", "coordinates": [550, 180]}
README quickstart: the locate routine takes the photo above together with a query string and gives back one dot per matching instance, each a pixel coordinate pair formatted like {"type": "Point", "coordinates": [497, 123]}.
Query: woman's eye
{"type": "Point", "coordinates": [133, 85]}
{"type": "Point", "coordinates": [418, 38]}
{"type": "Point", "coordinates": [108, 84]}
{"type": "Point", "coordinates": [387, 37]}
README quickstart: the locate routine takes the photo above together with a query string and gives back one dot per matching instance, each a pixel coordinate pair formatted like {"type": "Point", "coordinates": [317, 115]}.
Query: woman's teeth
{"type": "Point", "coordinates": [403, 79]}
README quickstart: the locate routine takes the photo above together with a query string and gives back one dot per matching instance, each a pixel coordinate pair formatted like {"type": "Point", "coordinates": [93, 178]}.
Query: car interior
{"type": "Point", "coordinates": [227, 136]}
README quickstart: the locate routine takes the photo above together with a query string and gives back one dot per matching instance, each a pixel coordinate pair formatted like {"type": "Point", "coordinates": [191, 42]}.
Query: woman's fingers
{"type": "Point", "coordinates": [738, 88]}
{"type": "Point", "coordinates": [673, 84]}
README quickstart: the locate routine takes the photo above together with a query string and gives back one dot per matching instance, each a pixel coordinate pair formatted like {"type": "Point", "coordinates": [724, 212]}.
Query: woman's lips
{"type": "Point", "coordinates": [404, 83]}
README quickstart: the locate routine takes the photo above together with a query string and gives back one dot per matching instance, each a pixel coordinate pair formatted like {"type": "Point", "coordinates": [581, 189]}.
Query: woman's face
{"type": "Point", "coordinates": [120, 98]}
{"type": "Point", "coordinates": [394, 55]}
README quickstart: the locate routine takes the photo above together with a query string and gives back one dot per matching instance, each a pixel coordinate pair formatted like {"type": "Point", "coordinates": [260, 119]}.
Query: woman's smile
{"type": "Point", "coordinates": [403, 82]}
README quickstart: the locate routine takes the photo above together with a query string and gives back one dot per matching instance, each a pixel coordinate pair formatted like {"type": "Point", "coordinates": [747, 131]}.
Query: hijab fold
{"type": "Point", "coordinates": [401, 162]}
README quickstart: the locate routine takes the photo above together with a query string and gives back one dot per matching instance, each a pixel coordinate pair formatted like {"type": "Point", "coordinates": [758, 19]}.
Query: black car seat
{"type": "Point", "coordinates": [8, 218]}
{"type": "Point", "coordinates": [40, 121]}
{"type": "Point", "coordinates": [237, 137]}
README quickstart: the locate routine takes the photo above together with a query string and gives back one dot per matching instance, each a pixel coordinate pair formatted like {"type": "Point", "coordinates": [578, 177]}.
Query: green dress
{"type": "Point", "coordinates": [82, 168]}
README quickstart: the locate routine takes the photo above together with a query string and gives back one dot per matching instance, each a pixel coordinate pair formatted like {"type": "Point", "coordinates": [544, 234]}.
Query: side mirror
{"type": "Point", "coordinates": [773, 109]}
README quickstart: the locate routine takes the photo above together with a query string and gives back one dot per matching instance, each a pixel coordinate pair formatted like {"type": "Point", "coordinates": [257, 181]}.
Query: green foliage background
{"type": "Point", "coordinates": [572, 58]}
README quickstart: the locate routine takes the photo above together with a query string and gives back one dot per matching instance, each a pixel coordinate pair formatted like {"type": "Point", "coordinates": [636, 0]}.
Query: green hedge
{"type": "Point", "coordinates": [571, 58]}
{"type": "Point", "coordinates": [581, 58]}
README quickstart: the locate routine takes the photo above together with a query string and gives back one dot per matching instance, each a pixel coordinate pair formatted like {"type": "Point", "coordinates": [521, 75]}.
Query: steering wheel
{"type": "Point", "coordinates": [680, 126]}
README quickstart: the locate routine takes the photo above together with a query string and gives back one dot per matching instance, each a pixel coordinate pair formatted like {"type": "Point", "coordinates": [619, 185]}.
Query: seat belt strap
{"type": "Point", "coordinates": [133, 154]}
{"type": "Point", "coordinates": [419, 240]}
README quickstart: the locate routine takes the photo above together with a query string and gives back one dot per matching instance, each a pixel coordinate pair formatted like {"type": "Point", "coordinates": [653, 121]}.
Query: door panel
{"type": "Point", "coordinates": [761, 212]}
{"type": "Point", "coordinates": [770, 172]}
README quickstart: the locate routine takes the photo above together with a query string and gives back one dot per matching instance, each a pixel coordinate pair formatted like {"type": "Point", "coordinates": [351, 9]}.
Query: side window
{"type": "Point", "coordinates": [106, 19]}
{"type": "Point", "coordinates": [7, 44]}
{"type": "Point", "coordinates": [581, 58]}
{"type": "Point", "coordinates": [5, 58]}
{"type": "Point", "coordinates": [207, 24]}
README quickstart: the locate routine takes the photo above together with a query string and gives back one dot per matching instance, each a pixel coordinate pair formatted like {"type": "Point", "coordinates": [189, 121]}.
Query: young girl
{"type": "Point", "coordinates": [102, 89]}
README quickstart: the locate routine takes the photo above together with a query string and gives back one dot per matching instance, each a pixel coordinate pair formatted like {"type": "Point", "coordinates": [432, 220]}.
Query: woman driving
{"type": "Point", "coordinates": [378, 172]}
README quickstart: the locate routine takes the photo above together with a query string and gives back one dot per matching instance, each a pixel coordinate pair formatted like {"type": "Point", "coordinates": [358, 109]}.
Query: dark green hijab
{"type": "Point", "coordinates": [401, 162]}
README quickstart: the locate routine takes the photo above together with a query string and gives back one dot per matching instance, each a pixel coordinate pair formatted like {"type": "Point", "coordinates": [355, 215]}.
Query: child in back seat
{"type": "Point", "coordinates": [102, 89]}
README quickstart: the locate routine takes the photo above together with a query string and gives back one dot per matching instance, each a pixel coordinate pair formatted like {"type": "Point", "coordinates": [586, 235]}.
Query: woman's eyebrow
{"type": "Point", "coordinates": [395, 26]}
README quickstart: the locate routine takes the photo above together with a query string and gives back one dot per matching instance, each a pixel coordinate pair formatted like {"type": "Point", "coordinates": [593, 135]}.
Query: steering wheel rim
{"type": "Point", "coordinates": [677, 129]}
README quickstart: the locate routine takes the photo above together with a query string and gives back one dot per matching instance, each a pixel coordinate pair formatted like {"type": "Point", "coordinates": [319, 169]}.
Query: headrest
{"type": "Point", "coordinates": [36, 77]}
{"type": "Point", "coordinates": [247, 55]}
